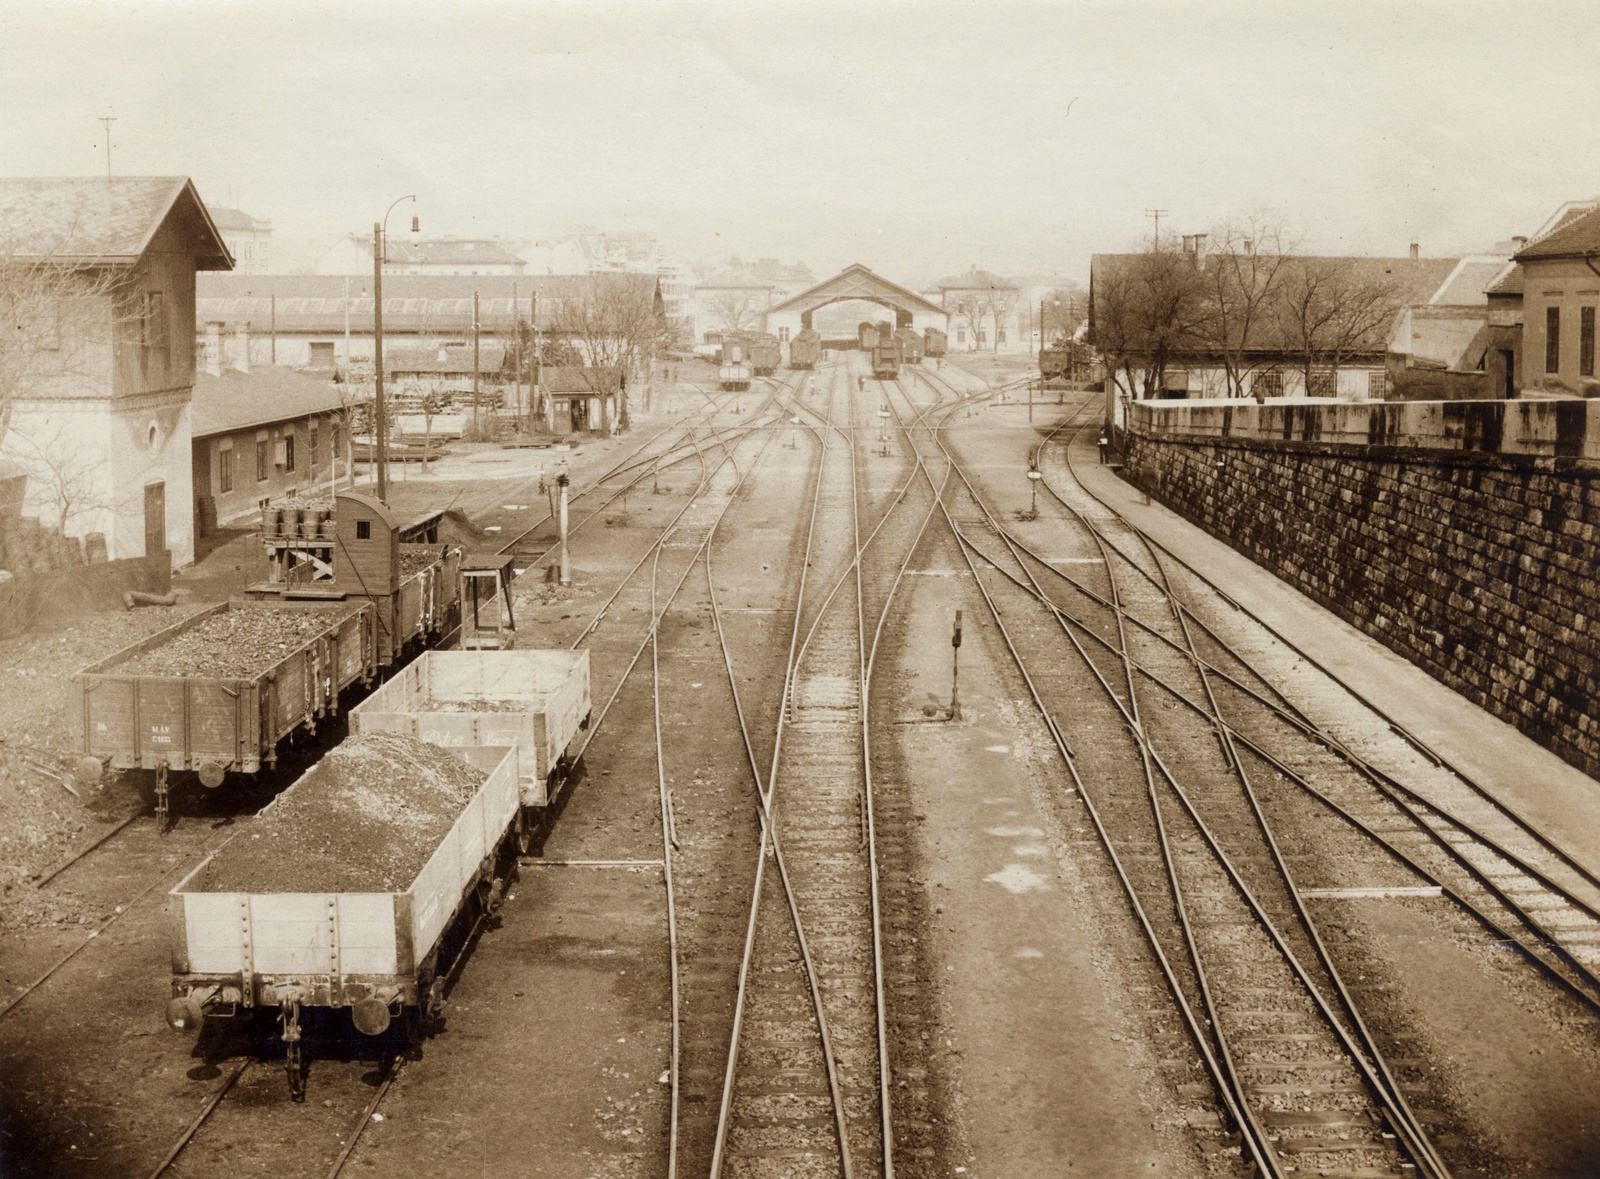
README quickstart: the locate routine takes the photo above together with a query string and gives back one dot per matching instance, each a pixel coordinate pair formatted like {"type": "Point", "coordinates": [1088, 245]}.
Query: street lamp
{"type": "Point", "coordinates": [380, 249]}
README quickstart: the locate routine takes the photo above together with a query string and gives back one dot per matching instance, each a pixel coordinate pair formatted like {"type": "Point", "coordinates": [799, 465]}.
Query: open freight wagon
{"type": "Point", "coordinates": [283, 945]}
{"type": "Point", "coordinates": [216, 693]}
{"type": "Point", "coordinates": [535, 700]}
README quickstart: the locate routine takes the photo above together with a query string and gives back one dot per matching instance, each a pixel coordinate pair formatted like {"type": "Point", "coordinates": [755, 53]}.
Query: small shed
{"type": "Point", "coordinates": [582, 398]}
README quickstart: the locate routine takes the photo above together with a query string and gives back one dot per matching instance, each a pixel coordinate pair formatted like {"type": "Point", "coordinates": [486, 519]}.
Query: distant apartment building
{"type": "Point", "coordinates": [249, 240]}
{"type": "Point", "coordinates": [591, 251]}
{"type": "Point", "coordinates": [987, 312]}
{"type": "Point", "coordinates": [352, 255]}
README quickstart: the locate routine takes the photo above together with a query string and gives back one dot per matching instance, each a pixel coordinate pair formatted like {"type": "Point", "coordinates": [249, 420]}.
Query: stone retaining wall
{"type": "Point", "coordinates": [1478, 567]}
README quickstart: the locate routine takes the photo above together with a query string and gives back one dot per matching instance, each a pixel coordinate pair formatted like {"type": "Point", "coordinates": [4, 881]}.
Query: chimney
{"type": "Point", "coordinates": [1416, 251]}
{"type": "Point", "coordinates": [1520, 242]}
{"type": "Point", "coordinates": [241, 347]}
{"type": "Point", "coordinates": [1200, 251]}
{"type": "Point", "coordinates": [213, 347]}
{"type": "Point", "coordinates": [1249, 246]}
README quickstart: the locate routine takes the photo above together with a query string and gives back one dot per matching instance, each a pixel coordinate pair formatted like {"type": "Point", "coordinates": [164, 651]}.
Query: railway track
{"type": "Point", "coordinates": [1294, 820]}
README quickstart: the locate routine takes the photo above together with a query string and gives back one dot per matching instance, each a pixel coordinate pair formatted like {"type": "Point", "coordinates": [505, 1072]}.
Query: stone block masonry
{"type": "Point", "coordinates": [1478, 566]}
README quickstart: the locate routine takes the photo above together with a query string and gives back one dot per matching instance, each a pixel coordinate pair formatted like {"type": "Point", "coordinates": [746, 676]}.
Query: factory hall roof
{"type": "Point", "coordinates": [581, 378]}
{"type": "Point", "coordinates": [104, 221]}
{"type": "Point", "coordinates": [266, 394]}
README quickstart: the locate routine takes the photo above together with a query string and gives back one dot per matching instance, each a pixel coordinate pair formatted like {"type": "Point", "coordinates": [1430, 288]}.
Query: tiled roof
{"type": "Point", "coordinates": [975, 280]}
{"type": "Point", "coordinates": [575, 378]}
{"type": "Point", "coordinates": [236, 219]}
{"type": "Point", "coordinates": [266, 394]}
{"type": "Point", "coordinates": [1578, 237]}
{"type": "Point", "coordinates": [100, 220]}
{"type": "Point", "coordinates": [1511, 284]}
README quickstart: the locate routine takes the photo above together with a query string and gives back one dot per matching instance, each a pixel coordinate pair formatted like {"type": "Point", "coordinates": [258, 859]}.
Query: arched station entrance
{"type": "Point", "coordinates": [902, 307]}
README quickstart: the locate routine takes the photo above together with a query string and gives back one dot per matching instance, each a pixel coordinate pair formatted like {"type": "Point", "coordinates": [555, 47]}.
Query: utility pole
{"type": "Point", "coordinates": [477, 424]}
{"type": "Point", "coordinates": [106, 121]}
{"type": "Point", "coordinates": [380, 443]}
{"type": "Point", "coordinates": [274, 329]}
{"type": "Point", "coordinates": [1157, 214]}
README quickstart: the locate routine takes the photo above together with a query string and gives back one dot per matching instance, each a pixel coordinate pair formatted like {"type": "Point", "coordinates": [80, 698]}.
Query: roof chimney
{"type": "Point", "coordinates": [1200, 250]}
{"type": "Point", "coordinates": [213, 348]}
{"type": "Point", "coordinates": [1416, 251]}
{"type": "Point", "coordinates": [241, 347]}
{"type": "Point", "coordinates": [1520, 241]}
{"type": "Point", "coordinates": [1249, 245]}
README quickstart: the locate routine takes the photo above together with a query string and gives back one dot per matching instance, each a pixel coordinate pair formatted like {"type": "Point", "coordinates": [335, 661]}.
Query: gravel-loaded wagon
{"type": "Point", "coordinates": [218, 692]}
{"type": "Point", "coordinates": [934, 342]}
{"type": "Point", "coordinates": [355, 890]}
{"type": "Point", "coordinates": [537, 701]}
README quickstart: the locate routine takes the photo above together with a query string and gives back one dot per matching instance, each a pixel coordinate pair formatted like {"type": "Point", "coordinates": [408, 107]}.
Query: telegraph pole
{"type": "Point", "coordinates": [1157, 215]}
{"type": "Point", "coordinates": [106, 121]}
{"type": "Point", "coordinates": [477, 425]}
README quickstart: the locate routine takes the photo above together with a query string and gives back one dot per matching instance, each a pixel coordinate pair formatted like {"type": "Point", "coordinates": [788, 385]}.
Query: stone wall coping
{"type": "Point", "coordinates": [1562, 430]}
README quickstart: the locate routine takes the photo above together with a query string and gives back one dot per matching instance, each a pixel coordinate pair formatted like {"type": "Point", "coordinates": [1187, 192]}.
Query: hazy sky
{"type": "Point", "coordinates": [908, 136]}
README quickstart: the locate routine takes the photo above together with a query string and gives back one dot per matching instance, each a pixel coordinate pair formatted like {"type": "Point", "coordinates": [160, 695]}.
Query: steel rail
{"type": "Point", "coordinates": [666, 863]}
{"type": "Point", "coordinates": [1416, 742]}
{"type": "Point", "coordinates": [1131, 715]}
{"type": "Point", "coordinates": [1176, 988]}
{"type": "Point", "coordinates": [769, 841]}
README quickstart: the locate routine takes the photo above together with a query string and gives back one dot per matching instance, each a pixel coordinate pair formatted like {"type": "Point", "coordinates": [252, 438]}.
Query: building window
{"type": "Point", "coordinates": [288, 450]}
{"type": "Point", "coordinates": [321, 353]}
{"type": "Point", "coordinates": [1322, 384]}
{"type": "Point", "coordinates": [783, 335]}
{"type": "Point", "coordinates": [1586, 341]}
{"type": "Point", "coordinates": [961, 335]}
{"type": "Point", "coordinates": [225, 466]}
{"type": "Point", "coordinates": [983, 336]}
{"type": "Point", "coordinates": [1000, 336]}
{"type": "Point", "coordinates": [1377, 385]}
{"type": "Point", "coordinates": [363, 529]}
{"type": "Point", "coordinates": [1267, 385]}
{"type": "Point", "coordinates": [1552, 339]}
{"type": "Point", "coordinates": [263, 459]}
{"type": "Point", "coordinates": [153, 322]}
{"type": "Point", "coordinates": [313, 447]}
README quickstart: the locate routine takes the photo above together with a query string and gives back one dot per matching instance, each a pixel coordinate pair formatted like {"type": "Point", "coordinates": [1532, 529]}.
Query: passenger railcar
{"type": "Point", "coordinates": [805, 350]}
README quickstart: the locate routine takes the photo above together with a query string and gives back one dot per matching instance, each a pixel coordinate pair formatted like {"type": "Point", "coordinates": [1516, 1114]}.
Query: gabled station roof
{"type": "Point", "coordinates": [857, 282]}
{"type": "Point", "coordinates": [103, 221]}
{"type": "Point", "coordinates": [260, 397]}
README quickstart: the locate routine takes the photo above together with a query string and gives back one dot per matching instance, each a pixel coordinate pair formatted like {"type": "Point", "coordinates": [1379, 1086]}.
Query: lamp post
{"type": "Point", "coordinates": [380, 249]}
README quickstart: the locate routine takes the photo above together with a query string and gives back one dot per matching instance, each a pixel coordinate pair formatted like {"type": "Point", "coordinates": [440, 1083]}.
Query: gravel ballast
{"type": "Point", "coordinates": [244, 641]}
{"type": "Point", "coordinates": [365, 818]}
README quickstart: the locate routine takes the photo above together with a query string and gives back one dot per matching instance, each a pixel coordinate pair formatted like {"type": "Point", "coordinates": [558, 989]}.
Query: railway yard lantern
{"type": "Point", "coordinates": [566, 568]}
{"type": "Point", "coordinates": [883, 430]}
{"type": "Point", "coordinates": [1034, 475]}
{"type": "Point", "coordinates": [955, 669]}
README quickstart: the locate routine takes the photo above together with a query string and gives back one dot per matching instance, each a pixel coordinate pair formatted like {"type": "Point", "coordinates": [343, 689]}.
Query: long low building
{"type": "Point", "coordinates": [325, 321]}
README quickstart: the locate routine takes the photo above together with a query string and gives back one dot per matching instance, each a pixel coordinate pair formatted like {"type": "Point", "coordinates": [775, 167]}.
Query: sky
{"type": "Point", "coordinates": [917, 138]}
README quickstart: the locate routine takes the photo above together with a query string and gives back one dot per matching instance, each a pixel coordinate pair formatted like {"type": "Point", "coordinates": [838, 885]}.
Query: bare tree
{"type": "Point", "coordinates": [1063, 310]}
{"type": "Point", "coordinates": [617, 324]}
{"type": "Point", "coordinates": [1241, 278]}
{"type": "Point", "coordinates": [1149, 309]}
{"type": "Point", "coordinates": [1331, 308]}
{"type": "Point", "coordinates": [736, 311]}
